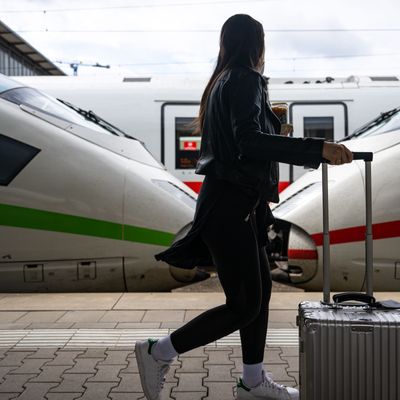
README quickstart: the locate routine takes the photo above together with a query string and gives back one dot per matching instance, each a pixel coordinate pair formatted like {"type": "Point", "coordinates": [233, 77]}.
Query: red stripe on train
{"type": "Point", "coordinates": [300, 254]}
{"type": "Point", "coordinates": [197, 185]}
{"type": "Point", "coordinates": [283, 185]}
{"type": "Point", "coordinates": [383, 230]}
{"type": "Point", "coordinates": [194, 186]}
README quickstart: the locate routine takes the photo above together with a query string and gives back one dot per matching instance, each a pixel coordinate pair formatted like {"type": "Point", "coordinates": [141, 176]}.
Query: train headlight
{"type": "Point", "coordinates": [177, 192]}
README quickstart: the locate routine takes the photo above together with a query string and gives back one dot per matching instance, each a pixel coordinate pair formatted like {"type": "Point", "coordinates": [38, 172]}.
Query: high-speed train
{"type": "Point", "coordinates": [83, 206]}
{"type": "Point", "coordinates": [158, 109]}
{"type": "Point", "coordinates": [296, 237]}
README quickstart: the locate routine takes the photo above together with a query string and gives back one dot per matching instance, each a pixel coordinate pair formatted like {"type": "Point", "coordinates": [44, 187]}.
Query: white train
{"type": "Point", "coordinates": [157, 110]}
{"type": "Point", "coordinates": [297, 235]}
{"type": "Point", "coordinates": [83, 207]}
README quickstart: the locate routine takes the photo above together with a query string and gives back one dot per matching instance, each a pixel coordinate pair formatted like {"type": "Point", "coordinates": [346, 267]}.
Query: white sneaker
{"type": "Point", "coordinates": [267, 390]}
{"type": "Point", "coordinates": [152, 372]}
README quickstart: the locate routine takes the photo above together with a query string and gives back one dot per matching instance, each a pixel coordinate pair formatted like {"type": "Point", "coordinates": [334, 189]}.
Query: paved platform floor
{"type": "Point", "coordinates": [109, 373]}
{"type": "Point", "coordinates": [80, 346]}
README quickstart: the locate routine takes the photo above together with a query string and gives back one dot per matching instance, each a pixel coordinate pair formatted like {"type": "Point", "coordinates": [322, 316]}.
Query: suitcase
{"type": "Point", "coordinates": [349, 349]}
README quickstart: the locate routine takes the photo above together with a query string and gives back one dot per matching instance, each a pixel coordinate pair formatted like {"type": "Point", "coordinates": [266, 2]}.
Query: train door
{"type": "Point", "coordinates": [316, 119]}
{"type": "Point", "coordinates": [180, 146]}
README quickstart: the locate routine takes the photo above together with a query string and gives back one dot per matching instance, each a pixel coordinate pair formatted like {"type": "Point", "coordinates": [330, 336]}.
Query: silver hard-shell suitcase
{"type": "Point", "coordinates": [349, 351]}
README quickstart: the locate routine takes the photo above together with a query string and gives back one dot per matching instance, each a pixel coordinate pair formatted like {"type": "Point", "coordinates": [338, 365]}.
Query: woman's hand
{"type": "Point", "coordinates": [336, 154]}
{"type": "Point", "coordinates": [286, 129]}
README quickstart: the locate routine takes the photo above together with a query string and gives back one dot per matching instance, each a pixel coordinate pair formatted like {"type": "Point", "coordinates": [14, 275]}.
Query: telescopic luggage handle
{"type": "Point", "coordinates": [354, 296]}
{"type": "Point", "coordinates": [367, 157]}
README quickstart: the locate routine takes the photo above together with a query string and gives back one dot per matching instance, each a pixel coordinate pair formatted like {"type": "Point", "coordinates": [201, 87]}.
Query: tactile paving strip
{"type": "Point", "coordinates": [30, 338]}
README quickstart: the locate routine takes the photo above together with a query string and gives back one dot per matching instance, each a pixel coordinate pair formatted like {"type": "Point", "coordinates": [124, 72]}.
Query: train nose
{"type": "Point", "coordinates": [188, 276]}
{"type": "Point", "coordinates": [296, 259]}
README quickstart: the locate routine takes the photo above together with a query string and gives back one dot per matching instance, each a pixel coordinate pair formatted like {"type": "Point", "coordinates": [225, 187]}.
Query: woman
{"type": "Point", "coordinates": [240, 150]}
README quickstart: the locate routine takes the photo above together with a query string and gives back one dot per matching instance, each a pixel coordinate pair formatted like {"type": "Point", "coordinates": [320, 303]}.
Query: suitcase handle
{"type": "Point", "coordinates": [357, 155]}
{"type": "Point", "coordinates": [368, 156]}
{"type": "Point", "coordinates": [354, 296]}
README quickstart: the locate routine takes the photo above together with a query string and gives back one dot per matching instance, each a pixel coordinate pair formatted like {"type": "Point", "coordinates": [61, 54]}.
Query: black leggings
{"type": "Point", "coordinates": [244, 273]}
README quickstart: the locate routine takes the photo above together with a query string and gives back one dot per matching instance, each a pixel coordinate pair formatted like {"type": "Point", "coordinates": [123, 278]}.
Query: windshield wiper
{"type": "Point", "coordinates": [375, 122]}
{"type": "Point", "coordinates": [91, 116]}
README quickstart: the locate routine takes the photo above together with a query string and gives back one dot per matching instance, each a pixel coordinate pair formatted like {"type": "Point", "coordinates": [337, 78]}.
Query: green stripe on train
{"type": "Point", "coordinates": [31, 218]}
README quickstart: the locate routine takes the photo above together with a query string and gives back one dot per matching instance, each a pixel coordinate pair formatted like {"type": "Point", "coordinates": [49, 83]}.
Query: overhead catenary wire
{"type": "Point", "coordinates": [300, 30]}
{"type": "Point", "coordinates": [124, 7]}
{"type": "Point", "coordinates": [278, 72]}
{"type": "Point", "coordinates": [293, 58]}
{"type": "Point", "coordinates": [194, 31]}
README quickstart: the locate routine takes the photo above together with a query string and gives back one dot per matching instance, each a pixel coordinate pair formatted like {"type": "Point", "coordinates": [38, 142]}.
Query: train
{"type": "Point", "coordinates": [159, 109]}
{"type": "Point", "coordinates": [296, 236]}
{"type": "Point", "coordinates": [83, 205]}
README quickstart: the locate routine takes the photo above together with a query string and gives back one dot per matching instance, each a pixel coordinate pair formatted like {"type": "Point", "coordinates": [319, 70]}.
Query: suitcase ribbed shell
{"type": "Point", "coordinates": [348, 352]}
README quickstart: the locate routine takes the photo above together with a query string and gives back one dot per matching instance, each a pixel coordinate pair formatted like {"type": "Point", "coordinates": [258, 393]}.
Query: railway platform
{"type": "Point", "coordinates": [65, 346]}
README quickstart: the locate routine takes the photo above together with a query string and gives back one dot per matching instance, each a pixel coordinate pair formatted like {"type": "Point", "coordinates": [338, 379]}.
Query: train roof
{"type": "Point", "coordinates": [198, 82]}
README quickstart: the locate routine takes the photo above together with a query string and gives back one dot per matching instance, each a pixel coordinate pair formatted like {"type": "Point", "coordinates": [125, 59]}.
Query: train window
{"type": "Point", "coordinates": [42, 102]}
{"type": "Point", "coordinates": [319, 127]}
{"type": "Point", "coordinates": [387, 125]}
{"type": "Point", "coordinates": [14, 156]}
{"type": "Point", "coordinates": [295, 200]}
{"type": "Point", "coordinates": [385, 122]}
{"type": "Point", "coordinates": [47, 104]}
{"type": "Point", "coordinates": [187, 144]}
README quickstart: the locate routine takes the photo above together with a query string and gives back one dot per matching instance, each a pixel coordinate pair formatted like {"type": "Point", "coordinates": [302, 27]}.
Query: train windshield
{"type": "Point", "coordinates": [47, 104]}
{"type": "Point", "coordinates": [12, 91]}
{"type": "Point", "coordinates": [386, 122]}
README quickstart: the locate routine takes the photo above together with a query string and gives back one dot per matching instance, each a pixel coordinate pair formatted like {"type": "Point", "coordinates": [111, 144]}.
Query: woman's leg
{"type": "Point", "coordinates": [254, 334]}
{"type": "Point", "coordinates": [233, 245]}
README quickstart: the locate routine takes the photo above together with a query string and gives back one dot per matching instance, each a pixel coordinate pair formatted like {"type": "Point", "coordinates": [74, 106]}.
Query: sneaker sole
{"type": "Point", "coordinates": [140, 362]}
{"type": "Point", "coordinates": [244, 395]}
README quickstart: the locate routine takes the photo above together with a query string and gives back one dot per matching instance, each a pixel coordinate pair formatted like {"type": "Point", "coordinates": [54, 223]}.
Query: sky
{"type": "Point", "coordinates": [303, 38]}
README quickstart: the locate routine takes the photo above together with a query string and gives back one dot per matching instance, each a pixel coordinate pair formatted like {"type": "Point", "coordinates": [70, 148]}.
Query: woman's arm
{"type": "Point", "coordinates": [245, 110]}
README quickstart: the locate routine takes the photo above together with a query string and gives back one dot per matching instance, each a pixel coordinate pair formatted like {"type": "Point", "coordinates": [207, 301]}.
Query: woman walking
{"type": "Point", "coordinates": [240, 150]}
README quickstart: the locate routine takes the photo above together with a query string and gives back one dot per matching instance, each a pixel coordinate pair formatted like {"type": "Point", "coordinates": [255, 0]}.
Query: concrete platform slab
{"type": "Point", "coordinates": [123, 316]}
{"type": "Point", "coordinates": [40, 316]}
{"type": "Point", "coordinates": [82, 316]}
{"type": "Point", "coordinates": [10, 316]}
{"type": "Point", "coordinates": [58, 301]}
{"type": "Point", "coordinates": [20, 302]}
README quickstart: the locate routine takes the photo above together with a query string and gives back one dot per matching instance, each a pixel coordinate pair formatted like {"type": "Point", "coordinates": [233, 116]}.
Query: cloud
{"type": "Point", "coordinates": [198, 50]}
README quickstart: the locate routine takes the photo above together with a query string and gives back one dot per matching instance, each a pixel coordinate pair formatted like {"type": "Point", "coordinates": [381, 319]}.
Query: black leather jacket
{"type": "Point", "coordinates": [241, 139]}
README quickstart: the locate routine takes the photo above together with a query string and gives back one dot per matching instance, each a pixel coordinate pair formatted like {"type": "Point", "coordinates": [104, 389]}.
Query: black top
{"type": "Point", "coordinates": [241, 144]}
{"type": "Point", "coordinates": [241, 139]}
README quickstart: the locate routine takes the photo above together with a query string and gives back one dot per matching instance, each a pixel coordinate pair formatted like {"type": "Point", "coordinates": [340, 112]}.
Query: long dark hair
{"type": "Point", "coordinates": [241, 44]}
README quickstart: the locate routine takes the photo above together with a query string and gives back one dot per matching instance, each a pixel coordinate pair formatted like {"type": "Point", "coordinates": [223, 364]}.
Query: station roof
{"type": "Point", "coordinates": [26, 51]}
